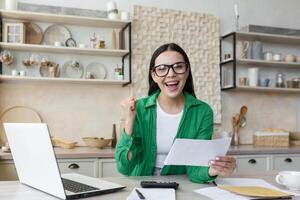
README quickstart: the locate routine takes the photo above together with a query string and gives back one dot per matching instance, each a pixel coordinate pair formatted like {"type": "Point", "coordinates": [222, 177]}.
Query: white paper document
{"type": "Point", "coordinates": [196, 152]}
{"type": "Point", "coordinates": [153, 194]}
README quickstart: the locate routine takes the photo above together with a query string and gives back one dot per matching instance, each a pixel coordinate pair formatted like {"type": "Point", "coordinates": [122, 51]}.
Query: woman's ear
{"type": "Point", "coordinates": [153, 75]}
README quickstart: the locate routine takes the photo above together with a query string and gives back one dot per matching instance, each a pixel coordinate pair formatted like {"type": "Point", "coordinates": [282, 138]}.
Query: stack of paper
{"type": "Point", "coordinates": [153, 194]}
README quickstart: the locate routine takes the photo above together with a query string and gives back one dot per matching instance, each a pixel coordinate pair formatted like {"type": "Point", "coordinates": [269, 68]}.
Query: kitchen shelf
{"type": "Point", "coordinates": [272, 38]}
{"type": "Point", "coordinates": [65, 50]}
{"type": "Point", "coordinates": [63, 19]}
{"type": "Point", "coordinates": [268, 89]}
{"type": "Point", "coordinates": [59, 79]}
{"type": "Point", "coordinates": [268, 63]}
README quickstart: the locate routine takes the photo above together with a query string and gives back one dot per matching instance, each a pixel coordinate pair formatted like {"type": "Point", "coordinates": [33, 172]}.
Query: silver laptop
{"type": "Point", "coordinates": [37, 167]}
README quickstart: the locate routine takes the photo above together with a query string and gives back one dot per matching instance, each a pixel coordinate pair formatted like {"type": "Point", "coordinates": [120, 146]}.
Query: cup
{"type": "Point", "coordinates": [290, 58]}
{"type": "Point", "coordinates": [57, 44]}
{"type": "Point", "coordinates": [268, 56]}
{"type": "Point", "coordinates": [124, 15]}
{"type": "Point", "coordinates": [22, 73]}
{"type": "Point", "coordinates": [253, 76]}
{"type": "Point", "coordinates": [290, 179]}
{"type": "Point", "coordinates": [265, 82]}
{"type": "Point", "coordinates": [257, 50]}
{"type": "Point", "coordinates": [276, 57]}
{"type": "Point", "coordinates": [243, 81]}
{"type": "Point", "coordinates": [82, 46]}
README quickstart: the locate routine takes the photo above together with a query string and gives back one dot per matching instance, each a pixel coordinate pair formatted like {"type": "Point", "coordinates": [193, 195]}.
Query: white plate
{"type": "Point", "coordinates": [70, 71]}
{"type": "Point", "coordinates": [55, 33]}
{"type": "Point", "coordinates": [97, 69]}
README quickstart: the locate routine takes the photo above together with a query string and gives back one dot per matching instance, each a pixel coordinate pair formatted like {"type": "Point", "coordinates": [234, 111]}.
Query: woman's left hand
{"type": "Point", "coordinates": [222, 165]}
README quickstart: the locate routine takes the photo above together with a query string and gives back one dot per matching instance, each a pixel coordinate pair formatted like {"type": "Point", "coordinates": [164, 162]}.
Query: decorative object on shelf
{"type": "Point", "coordinates": [70, 43]}
{"type": "Point", "coordinates": [101, 43]}
{"type": "Point", "coordinates": [268, 56]}
{"type": "Point", "coordinates": [14, 72]}
{"type": "Point", "coordinates": [271, 30]}
{"type": "Point", "coordinates": [31, 60]}
{"type": "Point", "coordinates": [253, 76]}
{"type": "Point", "coordinates": [34, 33]}
{"type": "Point", "coordinates": [242, 47]}
{"type": "Point", "coordinates": [280, 80]}
{"type": "Point", "coordinates": [236, 17]}
{"type": "Point", "coordinates": [10, 4]}
{"type": "Point", "coordinates": [257, 50]}
{"type": "Point", "coordinates": [58, 44]}
{"type": "Point", "coordinates": [72, 69]}
{"type": "Point", "coordinates": [298, 58]}
{"type": "Point", "coordinates": [266, 82]}
{"type": "Point", "coordinates": [114, 136]}
{"type": "Point", "coordinates": [121, 40]}
{"type": "Point", "coordinates": [49, 69]}
{"type": "Point", "coordinates": [13, 32]}
{"type": "Point", "coordinates": [124, 15]}
{"type": "Point", "coordinates": [6, 57]}
{"type": "Point", "coordinates": [82, 46]}
{"type": "Point", "coordinates": [243, 81]}
{"type": "Point", "coordinates": [112, 10]}
{"type": "Point", "coordinates": [96, 71]}
{"type": "Point", "coordinates": [227, 56]}
{"type": "Point", "coordinates": [96, 142]}
{"type": "Point", "coordinates": [290, 58]}
{"type": "Point", "coordinates": [113, 40]}
{"type": "Point", "coordinates": [93, 41]}
{"type": "Point", "coordinates": [118, 72]}
{"type": "Point", "coordinates": [277, 57]}
{"type": "Point", "coordinates": [22, 73]}
{"type": "Point", "coordinates": [56, 33]}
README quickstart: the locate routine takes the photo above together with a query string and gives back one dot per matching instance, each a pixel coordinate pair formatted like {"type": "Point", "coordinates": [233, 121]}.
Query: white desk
{"type": "Point", "coordinates": [13, 190]}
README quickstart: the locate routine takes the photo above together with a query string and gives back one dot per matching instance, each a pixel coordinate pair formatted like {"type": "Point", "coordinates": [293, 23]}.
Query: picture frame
{"type": "Point", "coordinates": [13, 32]}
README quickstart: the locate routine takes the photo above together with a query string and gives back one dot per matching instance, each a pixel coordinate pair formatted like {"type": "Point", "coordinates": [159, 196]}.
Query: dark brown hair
{"type": "Point", "coordinates": [153, 87]}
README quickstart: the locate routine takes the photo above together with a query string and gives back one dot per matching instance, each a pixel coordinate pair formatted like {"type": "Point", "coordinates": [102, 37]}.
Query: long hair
{"type": "Point", "coordinates": [153, 87]}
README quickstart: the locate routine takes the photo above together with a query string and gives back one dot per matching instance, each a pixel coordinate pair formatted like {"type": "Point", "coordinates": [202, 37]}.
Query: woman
{"type": "Point", "coordinates": [170, 111]}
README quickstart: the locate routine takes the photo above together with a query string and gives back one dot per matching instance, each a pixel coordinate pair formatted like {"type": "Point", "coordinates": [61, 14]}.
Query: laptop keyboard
{"type": "Point", "coordinates": [76, 187]}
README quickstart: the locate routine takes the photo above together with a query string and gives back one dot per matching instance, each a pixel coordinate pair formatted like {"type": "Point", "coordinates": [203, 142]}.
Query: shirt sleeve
{"type": "Point", "coordinates": [127, 144]}
{"type": "Point", "coordinates": [200, 174]}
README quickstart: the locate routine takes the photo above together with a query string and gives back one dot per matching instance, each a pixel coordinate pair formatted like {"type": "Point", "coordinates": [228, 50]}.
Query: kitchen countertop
{"type": "Point", "coordinates": [86, 152]}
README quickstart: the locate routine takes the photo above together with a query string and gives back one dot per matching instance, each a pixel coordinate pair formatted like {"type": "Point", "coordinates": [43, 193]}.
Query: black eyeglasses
{"type": "Point", "coordinates": [163, 69]}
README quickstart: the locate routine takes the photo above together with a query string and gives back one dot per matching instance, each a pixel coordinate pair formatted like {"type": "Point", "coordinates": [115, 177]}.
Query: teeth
{"type": "Point", "coordinates": [172, 83]}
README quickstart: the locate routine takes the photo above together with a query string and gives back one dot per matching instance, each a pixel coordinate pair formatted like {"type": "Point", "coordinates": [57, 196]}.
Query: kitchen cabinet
{"type": "Point", "coordinates": [88, 167]}
{"type": "Point", "coordinates": [286, 162]}
{"type": "Point", "coordinates": [82, 23]}
{"type": "Point", "coordinates": [235, 66]}
{"type": "Point", "coordinates": [252, 163]}
{"type": "Point", "coordinates": [107, 168]}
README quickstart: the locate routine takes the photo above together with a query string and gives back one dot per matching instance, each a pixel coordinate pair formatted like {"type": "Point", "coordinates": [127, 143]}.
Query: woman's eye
{"type": "Point", "coordinates": [179, 66]}
{"type": "Point", "coordinates": [161, 68]}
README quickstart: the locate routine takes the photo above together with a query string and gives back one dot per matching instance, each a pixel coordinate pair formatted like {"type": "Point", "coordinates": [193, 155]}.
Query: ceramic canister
{"type": "Point", "coordinates": [253, 76]}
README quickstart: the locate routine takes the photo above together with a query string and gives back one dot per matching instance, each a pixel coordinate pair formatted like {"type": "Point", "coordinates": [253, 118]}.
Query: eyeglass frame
{"type": "Point", "coordinates": [170, 66]}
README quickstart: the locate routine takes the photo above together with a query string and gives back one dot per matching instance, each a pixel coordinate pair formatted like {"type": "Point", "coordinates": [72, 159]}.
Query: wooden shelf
{"type": "Point", "coordinates": [268, 63]}
{"type": "Point", "coordinates": [63, 19]}
{"type": "Point", "coordinates": [58, 79]}
{"type": "Point", "coordinates": [267, 89]}
{"type": "Point", "coordinates": [65, 50]}
{"type": "Point", "coordinates": [265, 37]}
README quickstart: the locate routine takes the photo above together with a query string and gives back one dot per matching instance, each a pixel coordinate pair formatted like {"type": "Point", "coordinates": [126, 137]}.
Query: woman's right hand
{"type": "Point", "coordinates": [128, 106]}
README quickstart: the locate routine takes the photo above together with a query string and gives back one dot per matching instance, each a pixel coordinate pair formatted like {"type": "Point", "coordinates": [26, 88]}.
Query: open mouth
{"type": "Point", "coordinates": [172, 85]}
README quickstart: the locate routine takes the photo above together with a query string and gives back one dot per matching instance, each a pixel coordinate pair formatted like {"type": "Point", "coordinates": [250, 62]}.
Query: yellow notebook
{"type": "Point", "coordinates": [255, 191]}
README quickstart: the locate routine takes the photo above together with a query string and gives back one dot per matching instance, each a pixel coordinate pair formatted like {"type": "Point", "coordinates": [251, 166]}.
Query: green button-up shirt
{"type": "Point", "coordinates": [196, 123]}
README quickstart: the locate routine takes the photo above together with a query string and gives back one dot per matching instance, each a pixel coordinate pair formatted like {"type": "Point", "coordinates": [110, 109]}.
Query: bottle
{"type": "Point", "coordinates": [93, 41]}
{"type": "Point", "coordinates": [101, 44]}
{"type": "Point", "coordinates": [114, 136]}
{"type": "Point", "coordinates": [113, 40]}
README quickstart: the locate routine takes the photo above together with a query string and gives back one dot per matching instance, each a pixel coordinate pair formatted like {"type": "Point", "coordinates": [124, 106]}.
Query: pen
{"type": "Point", "coordinates": [141, 196]}
{"type": "Point", "coordinates": [213, 182]}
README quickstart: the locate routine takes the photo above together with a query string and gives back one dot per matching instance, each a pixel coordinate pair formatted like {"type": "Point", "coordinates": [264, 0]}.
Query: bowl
{"type": "Point", "coordinates": [96, 142]}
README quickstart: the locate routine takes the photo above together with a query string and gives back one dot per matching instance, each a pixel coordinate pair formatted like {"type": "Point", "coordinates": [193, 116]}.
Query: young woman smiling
{"type": "Point", "coordinates": [170, 111]}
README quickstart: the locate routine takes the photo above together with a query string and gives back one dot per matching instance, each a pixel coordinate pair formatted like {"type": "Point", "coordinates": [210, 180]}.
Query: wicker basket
{"type": "Point", "coordinates": [271, 139]}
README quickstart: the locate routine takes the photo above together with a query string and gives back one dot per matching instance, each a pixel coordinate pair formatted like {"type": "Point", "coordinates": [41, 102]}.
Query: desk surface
{"type": "Point", "coordinates": [16, 191]}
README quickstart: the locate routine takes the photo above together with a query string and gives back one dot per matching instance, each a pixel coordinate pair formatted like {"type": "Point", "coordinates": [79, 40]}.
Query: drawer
{"type": "Point", "coordinates": [8, 171]}
{"type": "Point", "coordinates": [286, 162]}
{"type": "Point", "coordinates": [108, 168]}
{"type": "Point", "coordinates": [88, 167]}
{"type": "Point", "coordinates": [252, 163]}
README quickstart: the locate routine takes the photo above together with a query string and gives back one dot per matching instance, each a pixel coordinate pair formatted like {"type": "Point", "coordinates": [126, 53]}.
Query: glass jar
{"type": "Point", "coordinates": [280, 80]}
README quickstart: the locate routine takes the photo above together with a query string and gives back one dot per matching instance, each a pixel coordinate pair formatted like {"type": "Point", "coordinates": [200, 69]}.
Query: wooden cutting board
{"type": "Point", "coordinates": [295, 142]}
{"type": "Point", "coordinates": [16, 114]}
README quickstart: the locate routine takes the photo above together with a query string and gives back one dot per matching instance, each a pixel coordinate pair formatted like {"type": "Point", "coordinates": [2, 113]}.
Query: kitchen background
{"type": "Point", "coordinates": [73, 111]}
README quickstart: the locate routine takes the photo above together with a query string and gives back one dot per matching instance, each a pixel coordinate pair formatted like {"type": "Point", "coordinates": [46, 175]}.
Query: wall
{"type": "Point", "coordinates": [265, 110]}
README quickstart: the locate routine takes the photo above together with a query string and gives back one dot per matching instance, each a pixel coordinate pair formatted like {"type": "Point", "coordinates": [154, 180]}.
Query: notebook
{"type": "Point", "coordinates": [153, 194]}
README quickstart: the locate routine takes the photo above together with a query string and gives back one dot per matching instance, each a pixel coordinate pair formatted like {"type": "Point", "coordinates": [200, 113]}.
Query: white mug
{"type": "Point", "coordinates": [14, 72]}
{"type": "Point", "coordinates": [253, 77]}
{"type": "Point", "coordinates": [57, 44]}
{"type": "Point", "coordinates": [124, 15]}
{"type": "Point", "coordinates": [22, 73]}
{"type": "Point", "coordinates": [290, 179]}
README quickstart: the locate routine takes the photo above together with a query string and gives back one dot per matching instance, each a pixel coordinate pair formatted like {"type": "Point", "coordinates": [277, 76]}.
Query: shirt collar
{"type": "Point", "coordinates": [190, 100]}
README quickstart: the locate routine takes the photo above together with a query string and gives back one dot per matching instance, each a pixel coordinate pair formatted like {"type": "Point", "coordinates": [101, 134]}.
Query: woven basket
{"type": "Point", "coordinates": [271, 139]}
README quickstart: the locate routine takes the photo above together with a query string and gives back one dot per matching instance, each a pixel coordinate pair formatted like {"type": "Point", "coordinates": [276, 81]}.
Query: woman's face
{"type": "Point", "coordinates": [172, 84]}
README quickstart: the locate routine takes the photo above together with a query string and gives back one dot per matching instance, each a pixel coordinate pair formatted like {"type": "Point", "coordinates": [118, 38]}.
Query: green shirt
{"type": "Point", "coordinates": [196, 123]}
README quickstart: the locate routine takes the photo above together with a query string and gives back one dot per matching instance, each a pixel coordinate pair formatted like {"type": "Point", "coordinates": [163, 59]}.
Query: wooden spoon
{"type": "Point", "coordinates": [242, 118]}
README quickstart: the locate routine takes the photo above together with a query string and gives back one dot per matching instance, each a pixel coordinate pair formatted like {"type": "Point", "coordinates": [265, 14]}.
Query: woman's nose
{"type": "Point", "coordinates": [171, 72]}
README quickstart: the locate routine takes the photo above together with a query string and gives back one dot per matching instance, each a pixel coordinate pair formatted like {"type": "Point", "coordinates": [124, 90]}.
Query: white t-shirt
{"type": "Point", "coordinates": [166, 130]}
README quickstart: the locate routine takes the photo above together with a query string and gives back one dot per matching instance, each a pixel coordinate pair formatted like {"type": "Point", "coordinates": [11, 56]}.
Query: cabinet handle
{"type": "Point", "coordinates": [252, 161]}
{"type": "Point", "coordinates": [73, 166]}
{"type": "Point", "coordinates": [288, 160]}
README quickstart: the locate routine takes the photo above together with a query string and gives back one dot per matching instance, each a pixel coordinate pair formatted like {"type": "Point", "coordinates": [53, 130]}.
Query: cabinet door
{"type": "Point", "coordinates": [286, 162]}
{"type": "Point", "coordinates": [8, 171]}
{"type": "Point", "coordinates": [252, 163]}
{"type": "Point", "coordinates": [88, 167]}
{"type": "Point", "coordinates": [108, 168]}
